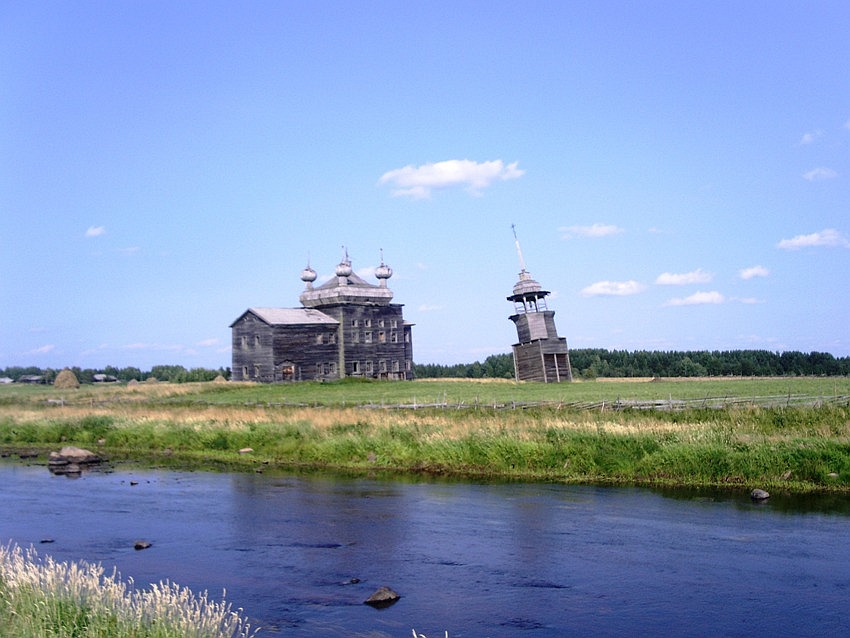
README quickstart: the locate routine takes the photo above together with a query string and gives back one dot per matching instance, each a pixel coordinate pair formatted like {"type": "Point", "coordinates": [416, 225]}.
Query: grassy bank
{"type": "Point", "coordinates": [583, 432]}
{"type": "Point", "coordinates": [41, 597]}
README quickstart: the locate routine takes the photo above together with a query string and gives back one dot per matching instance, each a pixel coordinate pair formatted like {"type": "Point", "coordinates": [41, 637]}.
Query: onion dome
{"type": "Point", "coordinates": [383, 271]}
{"type": "Point", "coordinates": [343, 268]}
{"type": "Point", "coordinates": [308, 275]}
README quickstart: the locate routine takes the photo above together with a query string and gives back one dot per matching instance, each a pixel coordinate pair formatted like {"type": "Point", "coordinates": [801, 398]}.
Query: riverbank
{"type": "Point", "coordinates": [792, 446]}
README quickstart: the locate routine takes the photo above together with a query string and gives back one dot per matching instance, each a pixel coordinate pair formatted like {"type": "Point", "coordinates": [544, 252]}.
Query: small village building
{"type": "Point", "coordinates": [539, 354]}
{"type": "Point", "coordinates": [346, 327]}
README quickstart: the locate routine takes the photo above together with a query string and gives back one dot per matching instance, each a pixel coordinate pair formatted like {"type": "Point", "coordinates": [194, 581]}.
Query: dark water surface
{"type": "Point", "coordinates": [476, 560]}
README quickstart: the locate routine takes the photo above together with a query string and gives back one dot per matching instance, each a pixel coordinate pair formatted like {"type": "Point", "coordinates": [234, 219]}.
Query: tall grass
{"type": "Point", "coordinates": [41, 597]}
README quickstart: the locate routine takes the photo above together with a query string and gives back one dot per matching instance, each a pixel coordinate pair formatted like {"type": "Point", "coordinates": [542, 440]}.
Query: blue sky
{"type": "Point", "coordinates": [678, 172]}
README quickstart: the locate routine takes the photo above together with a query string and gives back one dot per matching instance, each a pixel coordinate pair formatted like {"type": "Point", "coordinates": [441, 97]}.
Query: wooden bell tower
{"type": "Point", "coordinates": [539, 354]}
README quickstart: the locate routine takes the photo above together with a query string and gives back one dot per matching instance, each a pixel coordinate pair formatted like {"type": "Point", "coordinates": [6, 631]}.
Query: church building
{"type": "Point", "coordinates": [346, 327]}
{"type": "Point", "coordinates": [539, 354]}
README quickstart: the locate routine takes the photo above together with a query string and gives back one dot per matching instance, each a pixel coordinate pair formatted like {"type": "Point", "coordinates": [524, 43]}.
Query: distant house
{"type": "Point", "coordinates": [31, 378]}
{"type": "Point", "coordinates": [5, 380]}
{"type": "Point", "coordinates": [104, 378]}
{"type": "Point", "coordinates": [347, 327]}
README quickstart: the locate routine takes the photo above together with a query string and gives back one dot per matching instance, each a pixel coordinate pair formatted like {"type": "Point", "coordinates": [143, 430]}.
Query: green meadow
{"type": "Point", "coordinates": [791, 434]}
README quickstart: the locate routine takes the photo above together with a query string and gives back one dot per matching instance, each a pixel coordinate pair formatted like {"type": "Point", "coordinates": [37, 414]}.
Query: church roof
{"type": "Point", "coordinates": [290, 316]}
{"type": "Point", "coordinates": [351, 280]}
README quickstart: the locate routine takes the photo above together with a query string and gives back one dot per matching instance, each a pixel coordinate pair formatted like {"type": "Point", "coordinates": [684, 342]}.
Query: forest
{"type": "Point", "coordinates": [590, 363]}
{"type": "Point", "coordinates": [587, 364]}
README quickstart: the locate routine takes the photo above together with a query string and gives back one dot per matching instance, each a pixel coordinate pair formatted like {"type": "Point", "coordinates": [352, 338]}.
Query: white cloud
{"type": "Point", "coordinates": [207, 343]}
{"type": "Point", "coordinates": [747, 300]}
{"type": "Point", "coordinates": [43, 349]}
{"type": "Point", "coordinates": [429, 308]}
{"type": "Point", "coordinates": [419, 181]}
{"type": "Point", "coordinates": [809, 138]}
{"type": "Point", "coordinates": [698, 298]}
{"type": "Point", "coordinates": [698, 276]}
{"type": "Point", "coordinates": [613, 289]}
{"type": "Point", "coordinates": [819, 174]}
{"type": "Point", "coordinates": [95, 231]}
{"type": "Point", "coordinates": [847, 125]}
{"type": "Point", "coordinates": [826, 237]}
{"type": "Point", "coordinates": [753, 271]}
{"type": "Point", "coordinates": [595, 230]}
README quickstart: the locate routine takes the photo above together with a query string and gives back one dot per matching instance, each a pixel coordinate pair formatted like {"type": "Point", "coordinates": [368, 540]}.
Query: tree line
{"type": "Point", "coordinates": [587, 363]}
{"type": "Point", "coordinates": [170, 373]}
{"type": "Point", "coordinates": [590, 363]}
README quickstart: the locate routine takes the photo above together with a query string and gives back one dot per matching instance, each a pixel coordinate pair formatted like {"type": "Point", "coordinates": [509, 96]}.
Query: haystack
{"type": "Point", "coordinates": [220, 379]}
{"type": "Point", "coordinates": [66, 380]}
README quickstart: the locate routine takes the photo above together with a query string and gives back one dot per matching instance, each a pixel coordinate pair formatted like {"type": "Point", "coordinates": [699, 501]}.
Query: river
{"type": "Point", "coordinates": [301, 553]}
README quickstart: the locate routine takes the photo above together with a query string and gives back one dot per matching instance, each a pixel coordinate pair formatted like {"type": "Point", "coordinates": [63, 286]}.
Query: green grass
{"type": "Point", "coordinates": [421, 392]}
{"type": "Point", "coordinates": [793, 446]}
{"type": "Point", "coordinates": [42, 597]}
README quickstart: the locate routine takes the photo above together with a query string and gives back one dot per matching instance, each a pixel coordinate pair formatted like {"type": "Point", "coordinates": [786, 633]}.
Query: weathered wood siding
{"type": "Point", "coordinates": [311, 350]}
{"type": "Point", "coordinates": [545, 360]}
{"type": "Point", "coordinates": [374, 341]}
{"type": "Point", "coordinates": [252, 349]}
{"type": "Point", "coordinates": [535, 325]}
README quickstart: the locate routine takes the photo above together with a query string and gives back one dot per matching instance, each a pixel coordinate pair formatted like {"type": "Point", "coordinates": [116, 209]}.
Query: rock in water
{"type": "Point", "coordinates": [71, 460]}
{"type": "Point", "coordinates": [141, 545]}
{"type": "Point", "coordinates": [383, 597]}
{"type": "Point", "coordinates": [71, 454]}
{"type": "Point", "coordinates": [759, 495]}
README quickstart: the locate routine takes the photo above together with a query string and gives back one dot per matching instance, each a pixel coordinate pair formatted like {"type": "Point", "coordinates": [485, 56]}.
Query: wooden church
{"type": "Point", "coordinates": [346, 327]}
{"type": "Point", "coordinates": [539, 354]}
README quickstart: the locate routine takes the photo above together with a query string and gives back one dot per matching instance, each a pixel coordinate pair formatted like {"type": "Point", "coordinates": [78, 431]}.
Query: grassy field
{"type": "Point", "coordinates": [790, 433]}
